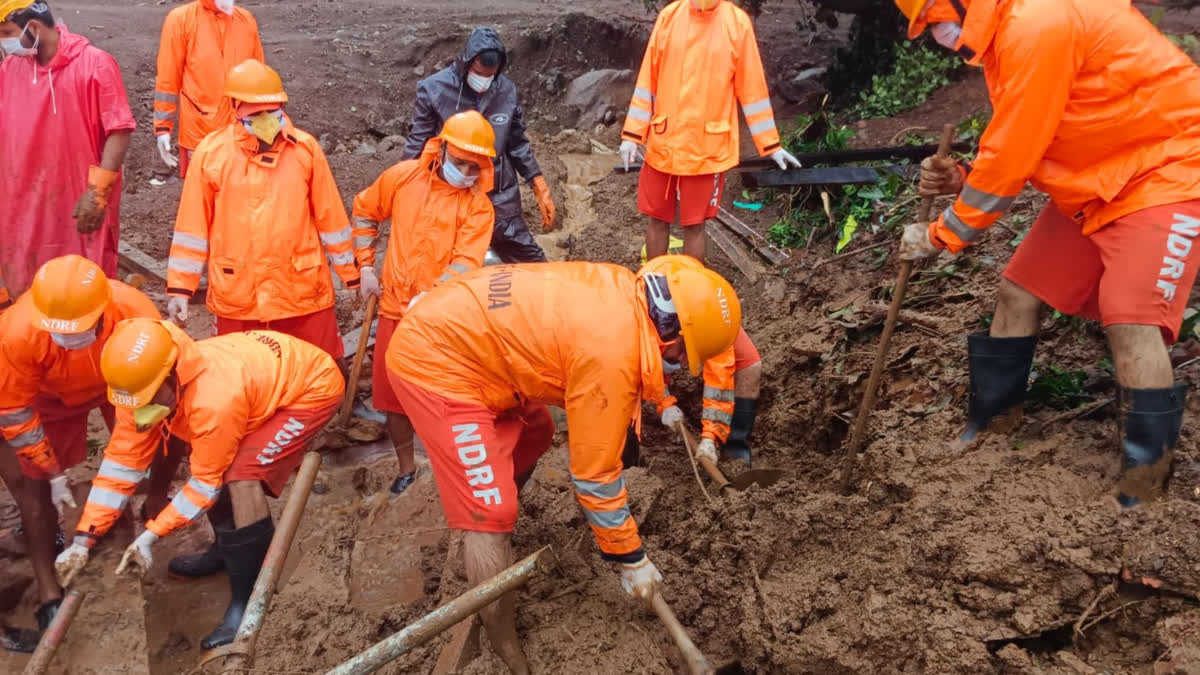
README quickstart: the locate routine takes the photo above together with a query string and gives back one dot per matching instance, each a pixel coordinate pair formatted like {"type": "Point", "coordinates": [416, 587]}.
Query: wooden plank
{"type": "Point", "coordinates": [736, 254]}
{"type": "Point", "coordinates": [761, 246]}
{"type": "Point", "coordinates": [134, 259]}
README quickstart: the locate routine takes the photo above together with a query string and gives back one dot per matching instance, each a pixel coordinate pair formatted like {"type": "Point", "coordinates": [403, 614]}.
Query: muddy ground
{"type": "Point", "coordinates": [1009, 558]}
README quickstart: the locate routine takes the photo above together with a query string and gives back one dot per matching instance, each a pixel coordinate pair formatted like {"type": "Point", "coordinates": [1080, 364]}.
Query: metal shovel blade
{"type": "Point", "coordinates": [760, 477]}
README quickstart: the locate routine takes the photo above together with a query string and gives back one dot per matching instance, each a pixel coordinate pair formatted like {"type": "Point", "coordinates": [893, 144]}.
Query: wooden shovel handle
{"type": "Point", "coordinates": [364, 336]}
{"type": "Point", "coordinates": [709, 467]}
{"type": "Point", "coordinates": [698, 664]}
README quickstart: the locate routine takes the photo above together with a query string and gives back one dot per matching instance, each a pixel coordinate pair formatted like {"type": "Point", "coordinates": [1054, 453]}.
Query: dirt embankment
{"type": "Point", "coordinates": [1008, 558]}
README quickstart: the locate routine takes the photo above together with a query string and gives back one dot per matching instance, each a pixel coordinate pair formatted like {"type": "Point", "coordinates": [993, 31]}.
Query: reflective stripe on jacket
{"type": "Point", "coordinates": [699, 65]}
{"type": "Point", "coordinates": [262, 224]}
{"type": "Point", "coordinates": [199, 45]}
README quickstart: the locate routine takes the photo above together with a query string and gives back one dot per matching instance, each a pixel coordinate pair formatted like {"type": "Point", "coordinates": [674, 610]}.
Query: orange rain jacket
{"type": "Point", "coordinates": [1091, 104]}
{"type": "Point", "coordinates": [31, 365]}
{"type": "Point", "coordinates": [717, 416]}
{"type": "Point", "coordinates": [576, 335]}
{"type": "Point", "coordinates": [259, 221]}
{"type": "Point", "coordinates": [438, 230]}
{"type": "Point", "coordinates": [684, 109]}
{"type": "Point", "coordinates": [229, 386]}
{"type": "Point", "coordinates": [199, 45]}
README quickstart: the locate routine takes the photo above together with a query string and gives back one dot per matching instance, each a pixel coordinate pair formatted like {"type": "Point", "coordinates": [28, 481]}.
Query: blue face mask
{"type": "Point", "coordinates": [455, 177]}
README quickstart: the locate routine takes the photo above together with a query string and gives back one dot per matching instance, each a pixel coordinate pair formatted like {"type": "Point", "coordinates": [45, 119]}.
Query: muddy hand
{"type": "Point", "coordinates": [70, 563]}
{"type": "Point", "coordinates": [641, 579]}
{"type": "Point", "coordinates": [940, 176]}
{"type": "Point", "coordinates": [89, 213]}
{"type": "Point", "coordinates": [137, 558]}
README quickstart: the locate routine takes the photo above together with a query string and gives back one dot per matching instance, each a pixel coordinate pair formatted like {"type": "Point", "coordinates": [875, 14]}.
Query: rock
{"type": "Point", "coordinates": [323, 141]}
{"type": "Point", "coordinates": [1075, 663]}
{"type": "Point", "coordinates": [419, 70]}
{"type": "Point", "coordinates": [610, 116]}
{"type": "Point", "coordinates": [775, 290]}
{"type": "Point", "coordinates": [804, 87]}
{"type": "Point", "coordinates": [571, 141]}
{"type": "Point", "coordinates": [597, 93]}
{"type": "Point", "coordinates": [390, 143]}
{"type": "Point", "coordinates": [364, 148]}
{"type": "Point", "coordinates": [1016, 660]}
{"type": "Point", "coordinates": [811, 345]}
{"type": "Point", "coordinates": [341, 149]}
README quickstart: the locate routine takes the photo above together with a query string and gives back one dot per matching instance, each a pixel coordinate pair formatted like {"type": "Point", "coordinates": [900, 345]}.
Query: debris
{"type": "Point", "coordinates": [365, 431]}
{"type": "Point", "coordinates": [364, 148]}
{"type": "Point", "coordinates": [597, 93]}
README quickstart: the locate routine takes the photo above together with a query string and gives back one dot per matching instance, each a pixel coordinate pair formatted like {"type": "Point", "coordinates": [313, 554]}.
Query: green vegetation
{"type": "Point", "coordinates": [971, 129]}
{"type": "Point", "coordinates": [919, 70]}
{"type": "Point", "coordinates": [1057, 388]}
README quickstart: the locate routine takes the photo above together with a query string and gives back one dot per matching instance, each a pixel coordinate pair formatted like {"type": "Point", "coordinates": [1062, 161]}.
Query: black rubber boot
{"type": "Point", "coordinates": [1153, 418]}
{"type": "Point", "coordinates": [244, 550]}
{"type": "Point", "coordinates": [21, 640]}
{"type": "Point", "coordinates": [738, 443]}
{"type": "Point", "coordinates": [46, 612]}
{"type": "Point", "coordinates": [403, 482]}
{"type": "Point", "coordinates": [999, 370]}
{"type": "Point", "coordinates": [208, 562]}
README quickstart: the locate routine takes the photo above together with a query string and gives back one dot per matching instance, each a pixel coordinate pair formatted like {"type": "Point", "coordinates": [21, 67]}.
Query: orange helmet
{"type": "Point", "coordinates": [921, 13]}
{"type": "Point", "coordinates": [469, 131]}
{"type": "Point", "coordinates": [135, 361]}
{"type": "Point", "coordinates": [253, 81]}
{"type": "Point", "coordinates": [710, 314]}
{"type": "Point", "coordinates": [69, 295]}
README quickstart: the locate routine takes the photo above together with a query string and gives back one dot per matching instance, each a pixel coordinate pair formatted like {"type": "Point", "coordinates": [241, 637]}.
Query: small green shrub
{"type": "Point", "coordinates": [919, 71]}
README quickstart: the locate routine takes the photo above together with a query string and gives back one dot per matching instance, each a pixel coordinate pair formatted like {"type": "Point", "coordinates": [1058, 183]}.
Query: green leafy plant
{"type": "Point", "coordinates": [1057, 388]}
{"type": "Point", "coordinates": [919, 70]}
{"type": "Point", "coordinates": [1191, 324]}
{"type": "Point", "coordinates": [971, 129]}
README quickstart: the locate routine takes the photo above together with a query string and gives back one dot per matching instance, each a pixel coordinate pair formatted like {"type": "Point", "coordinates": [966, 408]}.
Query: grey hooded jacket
{"type": "Point", "coordinates": [446, 92]}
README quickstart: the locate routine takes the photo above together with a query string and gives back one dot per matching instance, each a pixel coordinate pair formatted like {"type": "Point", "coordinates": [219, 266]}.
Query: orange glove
{"type": "Point", "coordinates": [545, 202]}
{"type": "Point", "coordinates": [90, 209]}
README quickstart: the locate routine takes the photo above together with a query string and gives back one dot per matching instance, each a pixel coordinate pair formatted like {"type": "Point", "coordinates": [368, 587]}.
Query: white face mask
{"type": "Point", "coordinates": [946, 34]}
{"type": "Point", "coordinates": [74, 341]}
{"type": "Point", "coordinates": [479, 83]}
{"type": "Point", "coordinates": [225, 6]}
{"type": "Point", "coordinates": [13, 46]}
{"type": "Point", "coordinates": [455, 177]}
{"type": "Point", "coordinates": [669, 367]}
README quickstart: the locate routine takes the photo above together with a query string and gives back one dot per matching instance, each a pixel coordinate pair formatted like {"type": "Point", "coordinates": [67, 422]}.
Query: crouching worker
{"type": "Point", "coordinates": [731, 385]}
{"type": "Point", "coordinates": [249, 403]}
{"type": "Point", "coordinates": [50, 342]}
{"type": "Point", "coordinates": [475, 363]}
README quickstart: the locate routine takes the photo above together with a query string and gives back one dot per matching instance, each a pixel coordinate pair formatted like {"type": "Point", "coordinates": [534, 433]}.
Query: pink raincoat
{"type": "Point", "coordinates": [53, 124]}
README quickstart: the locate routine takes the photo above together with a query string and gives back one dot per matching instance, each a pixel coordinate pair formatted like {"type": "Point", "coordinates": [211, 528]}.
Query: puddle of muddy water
{"type": "Point", "coordinates": [583, 171]}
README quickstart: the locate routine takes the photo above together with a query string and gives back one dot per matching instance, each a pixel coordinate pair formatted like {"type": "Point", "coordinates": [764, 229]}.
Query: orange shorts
{"type": "Point", "coordinates": [745, 354]}
{"type": "Point", "coordinates": [66, 430]}
{"type": "Point", "coordinates": [319, 328]}
{"type": "Point", "coordinates": [1137, 269]}
{"type": "Point", "coordinates": [695, 197]}
{"type": "Point", "coordinates": [383, 398]}
{"type": "Point", "coordinates": [273, 451]}
{"type": "Point", "coordinates": [477, 454]}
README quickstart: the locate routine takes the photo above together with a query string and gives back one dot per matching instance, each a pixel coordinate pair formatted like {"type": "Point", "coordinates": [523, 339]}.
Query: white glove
{"type": "Point", "coordinates": [707, 448]}
{"type": "Point", "coordinates": [672, 416]}
{"type": "Point", "coordinates": [177, 309]}
{"type": "Point", "coordinates": [641, 579]}
{"type": "Point", "coordinates": [629, 153]}
{"type": "Point", "coordinates": [137, 556]}
{"type": "Point", "coordinates": [414, 301]}
{"type": "Point", "coordinates": [70, 563]}
{"type": "Point", "coordinates": [60, 493]}
{"type": "Point", "coordinates": [915, 243]}
{"type": "Point", "coordinates": [369, 285]}
{"type": "Point", "coordinates": [164, 151]}
{"type": "Point", "coordinates": [783, 158]}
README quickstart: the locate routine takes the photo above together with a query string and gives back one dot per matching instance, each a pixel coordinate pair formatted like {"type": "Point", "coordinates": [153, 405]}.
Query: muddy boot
{"type": "Point", "coordinates": [403, 482]}
{"type": "Point", "coordinates": [21, 640]}
{"type": "Point", "coordinates": [244, 550]}
{"type": "Point", "coordinates": [1153, 418]}
{"type": "Point", "coordinates": [999, 370]}
{"type": "Point", "coordinates": [738, 443]}
{"type": "Point", "coordinates": [46, 612]}
{"type": "Point", "coordinates": [210, 561]}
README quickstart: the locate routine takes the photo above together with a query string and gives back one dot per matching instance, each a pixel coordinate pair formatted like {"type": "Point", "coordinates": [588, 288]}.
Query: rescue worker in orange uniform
{"type": "Point", "coordinates": [260, 209]}
{"type": "Point", "coordinates": [249, 403]}
{"type": "Point", "coordinates": [732, 382]}
{"type": "Point", "coordinates": [475, 363]}
{"type": "Point", "coordinates": [201, 41]}
{"type": "Point", "coordinates": [1094, 107]}
{"type": "Point", "coordinates": [442, 223]}
{"type": "Point", "coordinates": [50, 343]}
{"type": "Point", "coordinates": [702, 60]}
